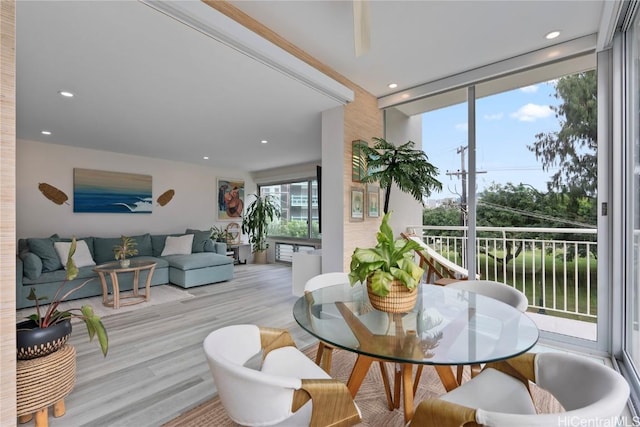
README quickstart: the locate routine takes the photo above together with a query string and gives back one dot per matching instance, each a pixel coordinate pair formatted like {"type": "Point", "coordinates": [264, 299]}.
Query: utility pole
{"type": "Point", "coordinates": [462, 173]}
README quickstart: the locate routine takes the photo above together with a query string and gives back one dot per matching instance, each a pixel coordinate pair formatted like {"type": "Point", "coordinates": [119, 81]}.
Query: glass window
{"type": "Point", "coordinates": [633, 292]}
{"type": "Point", "coordinates": [536, 198]}
{"type": "Point", "coordinates": [298, 209]}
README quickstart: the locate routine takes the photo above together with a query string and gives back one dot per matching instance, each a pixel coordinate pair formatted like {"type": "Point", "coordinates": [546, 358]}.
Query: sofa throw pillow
{"type": "Point", "coordinates": [103, 248]}
{"type": "Point", "coordinates": [200, 239]}
{"type": "Point", "coordinates": [88, 241]}
{"type": "Point", "coordinates": [82, 256]}
{"type": "Point", "coordinates": [178, 245]}
{"type": "Point", "coordinates": [47, 253]}
{"type": "Point", "coordinates": [31, 265]}
{"type": "Point", "coordinates": [143, 244]}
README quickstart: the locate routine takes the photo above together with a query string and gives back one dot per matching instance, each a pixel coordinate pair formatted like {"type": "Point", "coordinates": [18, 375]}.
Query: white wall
{"type": "Point", "coordinates": [399, 129]}
{"type": "Point", "coordinates": [193, 206]}
{"type": "Point", "coordinates": [332, 179]}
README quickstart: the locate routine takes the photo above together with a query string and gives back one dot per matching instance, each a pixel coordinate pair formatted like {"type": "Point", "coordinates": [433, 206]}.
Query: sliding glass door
{"type": "Point", "coordinates": [535, 191]}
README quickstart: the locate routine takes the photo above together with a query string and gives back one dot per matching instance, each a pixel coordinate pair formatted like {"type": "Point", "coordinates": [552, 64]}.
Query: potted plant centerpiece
{"type": "Point", "coordinates": [256, 221]}
{"type": "Point", "coordinates": [47, 332]}
{"type": "Point", "coordinates": [122, 251]}
{"type": "Point", "coordinates": [389, 270]}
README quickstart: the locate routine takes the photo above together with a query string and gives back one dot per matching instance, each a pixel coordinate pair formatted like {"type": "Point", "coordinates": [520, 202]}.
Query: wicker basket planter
{"type": "Point", "coordinates": [399, 300]}
{"type": "Point", "coordinates": [45, 381]}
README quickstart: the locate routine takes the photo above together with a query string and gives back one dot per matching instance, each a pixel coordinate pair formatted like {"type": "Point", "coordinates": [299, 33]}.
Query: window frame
{"type": "Point", "coordinates": [309, 181]}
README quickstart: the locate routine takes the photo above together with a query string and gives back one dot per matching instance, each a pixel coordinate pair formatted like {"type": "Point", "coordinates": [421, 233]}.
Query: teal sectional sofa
{"type": "Point", "coordinates": [38, 265]}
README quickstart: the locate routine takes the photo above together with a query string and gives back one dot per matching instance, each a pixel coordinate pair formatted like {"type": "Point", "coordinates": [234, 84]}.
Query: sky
{"type": "Point", "coordinates": [506, 124]}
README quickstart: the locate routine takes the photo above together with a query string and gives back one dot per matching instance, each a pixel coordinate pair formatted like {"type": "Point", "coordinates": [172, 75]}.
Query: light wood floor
{"type": "Point", "coordinates": [156, 368]}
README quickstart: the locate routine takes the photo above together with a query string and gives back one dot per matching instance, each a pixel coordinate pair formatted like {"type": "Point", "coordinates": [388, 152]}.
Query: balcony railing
{"type": "Point", "coordinates": [555, 267]}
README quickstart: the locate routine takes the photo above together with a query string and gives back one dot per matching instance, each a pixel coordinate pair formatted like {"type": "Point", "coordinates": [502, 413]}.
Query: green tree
{"type": "Point", "coordinates": [572, 149]}
{"type": "Point", "coordinates": [521, 205]}
{"type": "Point", "coordinates": [442, 215]}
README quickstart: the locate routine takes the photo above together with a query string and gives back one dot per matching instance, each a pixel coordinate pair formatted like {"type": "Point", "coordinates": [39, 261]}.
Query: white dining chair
{"type": "Point", "coordinates": [324, 353]}
{"type": "Point", "coordinates": [496, 290]}
{"type": "Point", "coordinates": [590, 392]}
{"type": "Point", "coordinates": [262, 379]}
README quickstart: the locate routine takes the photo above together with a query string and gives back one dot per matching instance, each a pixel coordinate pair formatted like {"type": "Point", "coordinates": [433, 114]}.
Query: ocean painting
{"type": "Point", "coordinates": [111, 192]}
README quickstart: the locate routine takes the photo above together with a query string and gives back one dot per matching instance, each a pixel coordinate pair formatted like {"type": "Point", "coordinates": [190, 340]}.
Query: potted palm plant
{"type": "Point", "coordinates": [403, 165]}
{"type": "Point", "coordinates": [125, 249]}
{"type": "Point", "coordinates": [255, 222]}
{"type": "Point", "coordinates": [46, 332]}
{"type": "Point", "coordinates": [389, 270]}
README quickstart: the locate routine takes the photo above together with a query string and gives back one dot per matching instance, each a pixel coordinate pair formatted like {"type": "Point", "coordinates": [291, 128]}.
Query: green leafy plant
{"type": "Point", "coordinates": [391, 259]}
{"type": "Point", "coordinates": [127, 248]}
{"type": "Point", "coordinates": [255, 221]}
{"type": "Point", "coordinates": [219, 234]}
{"type": "Point", "coordinates": [408, 168]}
{"type": "Point", "coordinates": [52, 315]}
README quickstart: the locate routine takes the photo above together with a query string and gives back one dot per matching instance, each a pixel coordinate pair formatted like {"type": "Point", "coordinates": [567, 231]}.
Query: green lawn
{"type": "Point", "coordinates": [525, 282]}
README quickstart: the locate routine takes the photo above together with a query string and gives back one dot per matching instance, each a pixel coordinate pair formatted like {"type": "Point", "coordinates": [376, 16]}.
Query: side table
{"type": "Point", "coordinates": [240, 252]}
{"type": "Point", "coordinates": [42, 382]}
{"type": "Point", "coordinates": [113, 269]}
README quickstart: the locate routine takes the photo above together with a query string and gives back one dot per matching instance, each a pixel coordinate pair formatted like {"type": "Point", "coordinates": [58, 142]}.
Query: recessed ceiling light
{"type": "Point", "coordinates": [46, 132]}
{"type": "Point", "coordinates": [206, 157]}
{"type": "Point", "coordinates": [393, 85]}
{"type": "Point", "coordinates": [66, 93]}
{"type": "Point", "coordinates": [264, 141]}
{"type": "Point", "coordinates": [552, 35]}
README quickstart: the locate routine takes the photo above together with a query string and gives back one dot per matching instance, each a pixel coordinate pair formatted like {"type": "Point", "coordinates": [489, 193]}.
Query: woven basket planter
{"type": "Point", "coordinates": [43, 381]}
{"type": "Point", "coordinates": [399, 300]}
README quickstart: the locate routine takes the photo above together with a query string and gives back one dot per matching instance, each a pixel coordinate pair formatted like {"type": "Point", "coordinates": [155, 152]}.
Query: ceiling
{"type": "Point", "coordinates": [148, 85]}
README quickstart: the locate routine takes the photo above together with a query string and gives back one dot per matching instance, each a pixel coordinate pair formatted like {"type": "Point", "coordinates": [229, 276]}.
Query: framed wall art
{"type": "Point", "coordinates": [230, 199]}
{"type": "Point", "coordinates": [111, 192]}
{"type": "Point", "coordinates": [373, 201]}
{"type": "Point", "coordinates": [357, 204]}
{"type": "Point", "coordinates": [358, 161]}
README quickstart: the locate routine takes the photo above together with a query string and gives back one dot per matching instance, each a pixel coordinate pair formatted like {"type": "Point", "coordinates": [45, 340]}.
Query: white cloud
{"type": "Point", "coordinates": [529, 89]}
{"type": "Point", "coordinates": [462, 126]}
{"type": "Point", "coordinates": [494, 116]}
{"type": "Point", "coordinates": [532, 112]}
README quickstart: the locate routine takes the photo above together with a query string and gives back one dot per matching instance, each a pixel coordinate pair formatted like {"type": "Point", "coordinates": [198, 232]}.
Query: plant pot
{"type": "Point", "coordinates": [260, 257]}
{"type": "Point", "coordinates": [125, 263]}
{"type": "Point", "coordinates": [399, 300]}
{"type": "Point", "coordinates": [32, 341]}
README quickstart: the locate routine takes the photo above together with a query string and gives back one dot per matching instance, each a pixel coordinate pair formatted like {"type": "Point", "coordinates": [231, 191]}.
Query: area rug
{"type": "Point", "coordinates": [159, 295]}
{"type": "Point", "coordinates": [370, 397]}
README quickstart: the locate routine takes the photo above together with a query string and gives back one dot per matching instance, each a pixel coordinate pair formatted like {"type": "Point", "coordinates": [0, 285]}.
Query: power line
{"type": "Point", "coordinates": [536, 215]}
{"type": "Point", "coordinates": [523, 168]}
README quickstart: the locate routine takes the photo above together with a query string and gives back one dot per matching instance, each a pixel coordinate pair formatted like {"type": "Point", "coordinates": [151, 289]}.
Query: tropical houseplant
{"type": "Point", "coordinates": [219, 234]}
{"type": "Point", "coordinates": [403, 165]}
{"type": "Point", "coordinates": [46, 332]}
{"type": "Point", "coordinates": [255, 222]}
{"type": "Point", "coordinates": [126, 249]}
{"type": "Point", "coordinates": [389, 270]}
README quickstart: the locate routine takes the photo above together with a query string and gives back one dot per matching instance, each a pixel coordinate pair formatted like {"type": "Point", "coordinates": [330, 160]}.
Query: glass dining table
{"type": "Point", "coordinates": [446, 328]}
